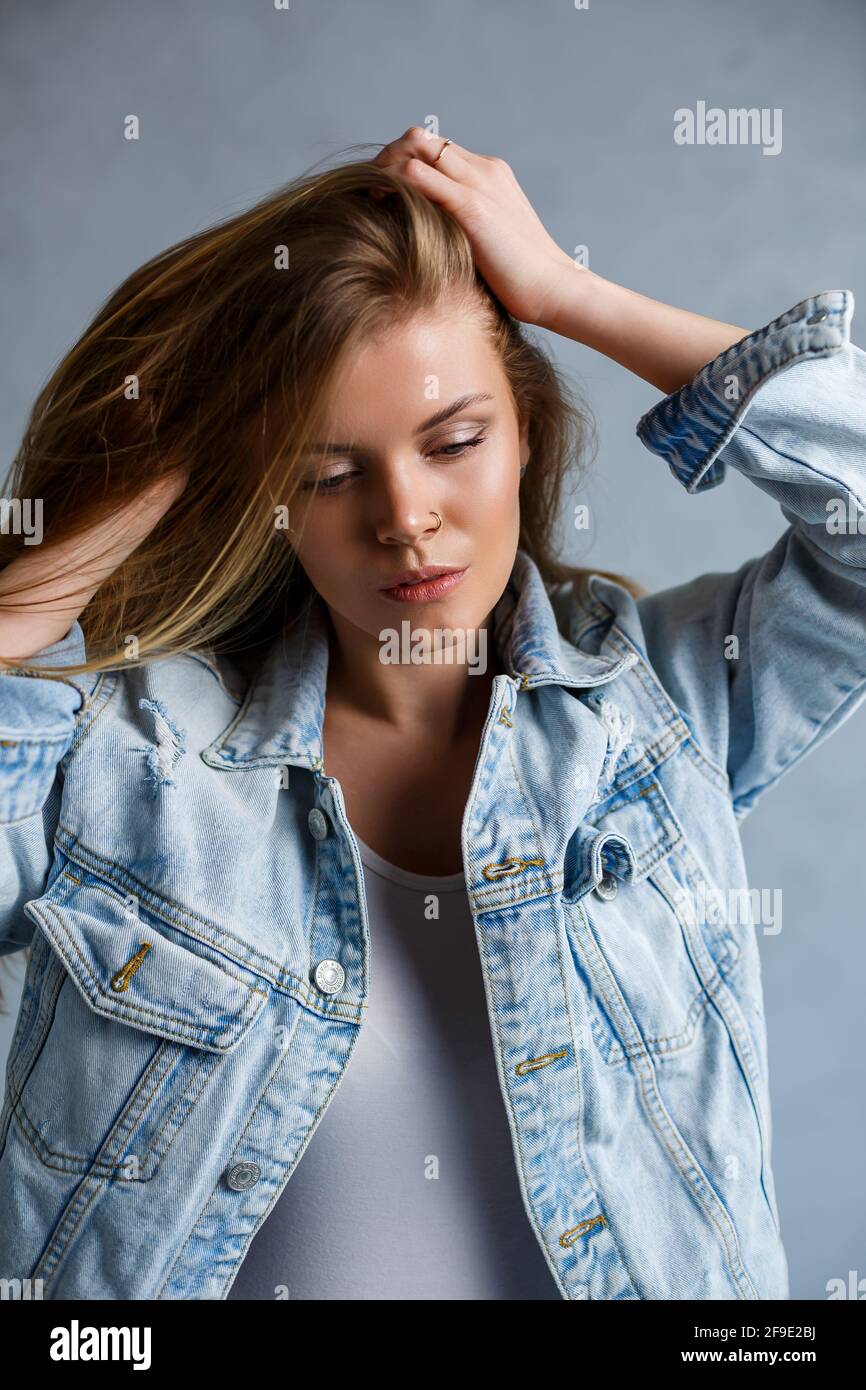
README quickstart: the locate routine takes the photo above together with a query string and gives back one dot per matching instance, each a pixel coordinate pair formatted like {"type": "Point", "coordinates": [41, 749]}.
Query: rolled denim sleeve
{"type": "Point", "coordinates": [37, 722]}
{"type": "Point", "coordinates": [767, 661]}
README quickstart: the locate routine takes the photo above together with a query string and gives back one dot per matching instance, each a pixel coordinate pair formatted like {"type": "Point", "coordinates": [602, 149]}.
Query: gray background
{"type": "Point", "coordinates": [235, 98]}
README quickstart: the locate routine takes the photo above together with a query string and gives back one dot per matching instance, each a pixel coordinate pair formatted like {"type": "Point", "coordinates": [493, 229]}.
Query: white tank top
{"type": "Point", "coordinates": [407, 1188]}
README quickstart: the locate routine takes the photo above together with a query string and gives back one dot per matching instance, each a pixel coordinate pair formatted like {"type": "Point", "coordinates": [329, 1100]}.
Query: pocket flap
{"type": "Point", "coordinates": [643, 822]}
{"type": "Point", "coordinates": [132, 967]}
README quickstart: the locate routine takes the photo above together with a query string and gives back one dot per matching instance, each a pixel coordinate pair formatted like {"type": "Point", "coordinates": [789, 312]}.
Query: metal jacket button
{"type": "Point", "coordinates": [330, 976]}
{"type": "Point", "coordinates": [318, 824]}
{"type": "Point", "coordinates": [606, 887]}
{"type": "Point", "coordinates": [243, 1175]}
{"type": "Point", "coordinates": [821, 315]}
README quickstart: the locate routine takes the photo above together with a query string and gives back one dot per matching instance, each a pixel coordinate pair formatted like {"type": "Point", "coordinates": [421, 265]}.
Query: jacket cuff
{"type": "Point", "coordinates": [45, 703]}
{"type": "Point", "coordinates": [691, 426]}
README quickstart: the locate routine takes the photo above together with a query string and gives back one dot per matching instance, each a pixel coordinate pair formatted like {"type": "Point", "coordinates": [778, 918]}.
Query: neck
{"type": "Point", "coordinates": [445, 694]}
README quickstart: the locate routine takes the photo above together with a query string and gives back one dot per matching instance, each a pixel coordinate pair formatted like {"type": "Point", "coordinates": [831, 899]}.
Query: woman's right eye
{"type": "Point", "coordinates": [326, 484]}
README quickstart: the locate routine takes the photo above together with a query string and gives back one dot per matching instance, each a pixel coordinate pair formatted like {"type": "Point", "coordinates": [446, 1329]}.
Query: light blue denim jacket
{"type": "Point", "coordinates": [200, 967]}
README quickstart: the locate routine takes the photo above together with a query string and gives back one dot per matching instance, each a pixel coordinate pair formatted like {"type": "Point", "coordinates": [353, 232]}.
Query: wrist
{"type": "Point", "coordinates": [576, 300]}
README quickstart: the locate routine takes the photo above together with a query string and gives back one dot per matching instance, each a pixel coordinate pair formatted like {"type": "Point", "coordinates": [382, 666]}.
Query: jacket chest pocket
{"type": "Point", "coordinates": [121, 1029]}
{"type": "Point", "coordinates": [647, 960]}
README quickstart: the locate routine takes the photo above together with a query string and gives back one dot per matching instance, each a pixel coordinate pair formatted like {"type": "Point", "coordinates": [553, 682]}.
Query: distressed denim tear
{"type": "Point", "coordinates": [619, 727]}
{"type": "Point", "coordinates": [163, 755]}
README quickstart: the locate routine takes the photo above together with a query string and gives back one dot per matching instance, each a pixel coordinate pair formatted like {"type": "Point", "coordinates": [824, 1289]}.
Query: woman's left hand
{"type": "Point", "coordinates": [517, 257]}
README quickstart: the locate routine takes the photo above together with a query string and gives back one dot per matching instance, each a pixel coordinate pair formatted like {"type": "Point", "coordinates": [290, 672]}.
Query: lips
{"type": "Point", "coordinates": [418, 576]}
{"type": "Point", "coordinates": [434, 585]}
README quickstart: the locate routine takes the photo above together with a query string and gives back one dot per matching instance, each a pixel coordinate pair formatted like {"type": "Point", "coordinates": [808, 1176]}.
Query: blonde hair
{"type": "Point", "coordinates": [218, 356]}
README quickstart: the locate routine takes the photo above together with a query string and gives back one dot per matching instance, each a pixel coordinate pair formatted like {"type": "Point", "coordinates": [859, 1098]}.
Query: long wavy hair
{"type": "Point", "coordinates": [217, 356]}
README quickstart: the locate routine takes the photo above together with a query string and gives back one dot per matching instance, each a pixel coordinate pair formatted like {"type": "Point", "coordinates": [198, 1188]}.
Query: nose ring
{"type": "Point", "coordinates": [438, 518]}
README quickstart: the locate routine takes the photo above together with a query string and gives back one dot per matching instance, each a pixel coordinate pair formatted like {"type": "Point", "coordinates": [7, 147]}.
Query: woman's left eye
{"type": "Point", "coordinates": [461, 445]}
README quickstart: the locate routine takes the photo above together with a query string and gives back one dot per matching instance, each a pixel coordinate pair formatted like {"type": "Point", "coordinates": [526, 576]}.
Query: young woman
{"type": "Point", "coordinates": [319, 773]}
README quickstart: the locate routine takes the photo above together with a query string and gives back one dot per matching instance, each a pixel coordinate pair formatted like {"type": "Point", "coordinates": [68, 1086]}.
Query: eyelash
{"type": "Point", "coordinates": [462, 445]}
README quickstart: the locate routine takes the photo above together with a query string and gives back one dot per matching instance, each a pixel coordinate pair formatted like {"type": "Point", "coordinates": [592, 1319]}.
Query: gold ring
{"type": "Point", "coordinates": [442, 151]}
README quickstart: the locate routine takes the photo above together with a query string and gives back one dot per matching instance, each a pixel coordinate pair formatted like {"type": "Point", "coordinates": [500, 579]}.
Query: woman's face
{"type": "Point", "coordinates": [366, 505]}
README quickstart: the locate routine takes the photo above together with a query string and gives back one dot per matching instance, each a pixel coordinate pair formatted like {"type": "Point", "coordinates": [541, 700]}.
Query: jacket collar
{"type": "Point", "coordinates": [281, 718]}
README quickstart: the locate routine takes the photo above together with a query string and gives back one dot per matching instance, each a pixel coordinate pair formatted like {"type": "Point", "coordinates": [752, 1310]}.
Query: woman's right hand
{"type": "Point", "coordinates": [82, 564]}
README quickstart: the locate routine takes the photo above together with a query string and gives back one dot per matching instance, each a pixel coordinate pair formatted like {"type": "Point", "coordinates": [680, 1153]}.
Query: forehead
{"type": "Point", "coordinates": [399, 376]}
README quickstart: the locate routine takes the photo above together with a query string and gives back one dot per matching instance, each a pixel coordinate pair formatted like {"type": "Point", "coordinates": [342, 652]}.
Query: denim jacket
{"type": "Point", "coordinates": [199, 970]}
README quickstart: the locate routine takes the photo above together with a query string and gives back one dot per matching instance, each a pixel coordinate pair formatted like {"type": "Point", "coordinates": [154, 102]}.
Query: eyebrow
{"type": "Point", "coordinates": [455, 408]}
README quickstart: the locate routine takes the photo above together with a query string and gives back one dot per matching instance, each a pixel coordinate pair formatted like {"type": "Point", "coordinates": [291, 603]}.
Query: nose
{"type": "Point", "coordinates": [406, 511]}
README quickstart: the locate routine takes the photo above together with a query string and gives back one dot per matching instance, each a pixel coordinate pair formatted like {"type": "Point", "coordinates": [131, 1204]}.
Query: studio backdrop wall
{"type": "Point", "coordinates": [235, 98]}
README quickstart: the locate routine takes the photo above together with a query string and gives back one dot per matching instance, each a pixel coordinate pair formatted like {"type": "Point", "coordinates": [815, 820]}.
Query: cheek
{"type": "Point", "coordinates": [319, 523]}
{"type": "Point", "coordinates": [317, 545]}
{"type": "Point", "coordinates": [491, 503]}
{"type": "Point", "coordinates": [493, 483]}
